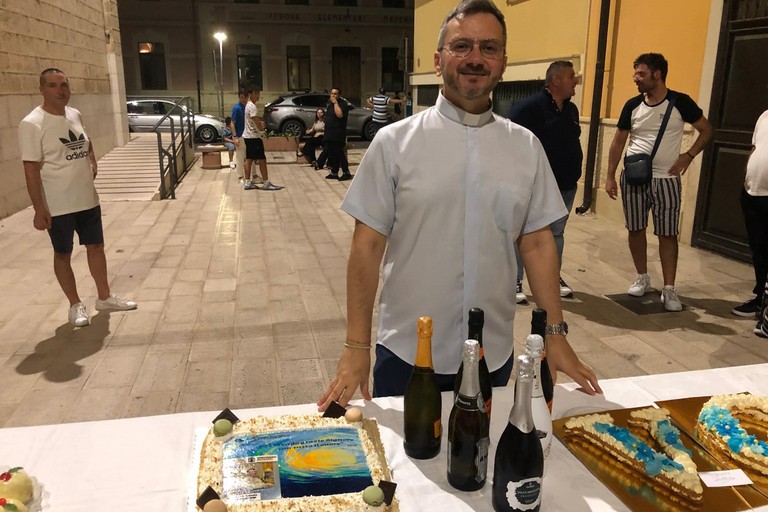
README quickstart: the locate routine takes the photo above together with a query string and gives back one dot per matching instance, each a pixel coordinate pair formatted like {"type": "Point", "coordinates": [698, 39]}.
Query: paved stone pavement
{"type": "Point", "coordinates": [242, 303]}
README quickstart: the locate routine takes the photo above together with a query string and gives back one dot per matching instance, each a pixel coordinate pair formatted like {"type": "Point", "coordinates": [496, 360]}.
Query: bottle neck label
{"type": "Point", "coordinates": [470, 403]}
{"type": "Point", "coordinates": [524, 494]}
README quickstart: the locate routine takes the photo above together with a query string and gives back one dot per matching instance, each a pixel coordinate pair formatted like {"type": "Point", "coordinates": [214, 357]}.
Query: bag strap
{"type": "Point", "coordinates": [671, 97]}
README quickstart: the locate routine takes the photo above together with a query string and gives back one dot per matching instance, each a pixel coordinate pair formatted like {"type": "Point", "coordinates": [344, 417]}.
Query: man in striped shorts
{"type": "Point", "coordinates": [640, 121]}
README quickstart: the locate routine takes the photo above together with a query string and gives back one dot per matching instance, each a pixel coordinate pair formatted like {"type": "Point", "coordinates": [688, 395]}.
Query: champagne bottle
{"type": "Point", "coordinates": [539, 326]}
{"type": "Point", "coordinates": [422, 402]}
{"type": "Point", "coordinates": [542, 418]}
{"type": "Point", "coordinates": [468, 428]}
{"type": "Point", "coordinates": [519, 462]}
{"type": "Point", "coordinates": [475, 332]}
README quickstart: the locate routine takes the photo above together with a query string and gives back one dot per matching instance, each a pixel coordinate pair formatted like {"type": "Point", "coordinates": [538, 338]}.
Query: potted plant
{"type": "Point", "coordinates": [274, 141]}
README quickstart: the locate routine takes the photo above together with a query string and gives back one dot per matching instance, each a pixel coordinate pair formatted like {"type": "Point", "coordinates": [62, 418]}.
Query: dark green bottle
{"type": "Point", "coordinates": [468, 428]}
{"type": "Point", "coordinates": [475, 332]}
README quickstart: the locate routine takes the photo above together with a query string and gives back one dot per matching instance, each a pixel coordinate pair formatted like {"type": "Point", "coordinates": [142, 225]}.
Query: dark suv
{"type": "Point", "coordinates": [295, 113]}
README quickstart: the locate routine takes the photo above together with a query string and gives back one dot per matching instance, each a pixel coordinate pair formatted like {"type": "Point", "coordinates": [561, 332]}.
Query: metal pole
{"type": "Point", "coordinates": [221, 78]}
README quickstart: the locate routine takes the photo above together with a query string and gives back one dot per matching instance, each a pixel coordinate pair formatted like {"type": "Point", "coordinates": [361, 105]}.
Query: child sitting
{"type": "Point", "coordinates": [229, 138]}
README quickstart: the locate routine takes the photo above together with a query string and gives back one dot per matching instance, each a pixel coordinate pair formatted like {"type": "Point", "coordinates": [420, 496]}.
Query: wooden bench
{"type": "Point", "coordinates": [212, 156]}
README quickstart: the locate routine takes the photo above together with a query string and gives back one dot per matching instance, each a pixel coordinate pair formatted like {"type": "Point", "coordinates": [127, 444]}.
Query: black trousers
{"type": "Point", "coordinates": [755, 210]}
{"type": "Point", "coordinates": [308, 150]}
{"type": "Point", "coordinates": [336, 156]}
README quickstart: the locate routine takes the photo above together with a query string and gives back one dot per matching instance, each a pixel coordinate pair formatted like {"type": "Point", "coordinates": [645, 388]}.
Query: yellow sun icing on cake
{"type": "Point", "coordinates": [320, 459]}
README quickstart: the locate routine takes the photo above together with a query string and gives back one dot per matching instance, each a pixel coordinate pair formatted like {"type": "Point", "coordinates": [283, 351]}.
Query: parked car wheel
{"type": "Point", "coordinates": [293, 126]}
{"type": "Point", "coordinates": [370, 129]}
{"type": "Point", "coordinates": [207, 133]}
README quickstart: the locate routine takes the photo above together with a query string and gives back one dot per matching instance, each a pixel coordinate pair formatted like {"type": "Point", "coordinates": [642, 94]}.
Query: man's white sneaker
{"type": "Point", "coordinates": [232, 165]}
{"type": "Point", "coordinates": [670, 299]}
{"type": "Point", "coordinates": [520, 297]}
{"type": "Point", "coordinates": [640, 286]}
{"type": "Point", "coordinates": [78, 316]}
{"type": "Point", "coordinates": [116, 303]}
{"type": "Point", "coordinates": [565, 290]}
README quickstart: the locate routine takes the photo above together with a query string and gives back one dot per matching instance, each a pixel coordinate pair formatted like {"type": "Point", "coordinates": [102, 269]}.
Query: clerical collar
{"type": "Point", "coordinates": [458, 115]}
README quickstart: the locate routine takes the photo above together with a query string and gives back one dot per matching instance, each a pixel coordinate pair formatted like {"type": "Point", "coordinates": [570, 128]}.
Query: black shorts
{"type": "Point", "coordinates": [254, 149]}
{"type": "Point", "coordinates": [87, 223]}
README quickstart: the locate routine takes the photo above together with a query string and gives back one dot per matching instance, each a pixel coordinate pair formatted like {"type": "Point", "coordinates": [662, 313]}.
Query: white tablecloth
{"type": "Point", "coordinates": [145, 463]}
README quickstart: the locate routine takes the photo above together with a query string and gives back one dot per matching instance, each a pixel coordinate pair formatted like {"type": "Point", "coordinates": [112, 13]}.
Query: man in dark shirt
{"type": "Point", "coordinates": [336, 136]}
{"type": "Point", "coordinates": [552, 117]}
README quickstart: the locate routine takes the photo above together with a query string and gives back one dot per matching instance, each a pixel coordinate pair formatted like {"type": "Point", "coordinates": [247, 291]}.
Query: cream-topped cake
{"type": "Point", "coordinates": [633, 454]}
{"type": "Point", "coordinates": [294, 463]}
{"type": "Point", "coordinates": [720, 429]}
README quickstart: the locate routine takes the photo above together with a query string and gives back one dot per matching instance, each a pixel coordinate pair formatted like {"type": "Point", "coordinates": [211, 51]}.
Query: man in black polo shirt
{"type": "Point", "coordinates": [552, 117]}
{"type": "Point", "coordinates": [336, 136]}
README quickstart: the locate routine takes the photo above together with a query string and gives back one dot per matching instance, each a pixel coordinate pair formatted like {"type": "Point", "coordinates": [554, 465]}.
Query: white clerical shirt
{"type": "Point", "coordinates": [452, 191]}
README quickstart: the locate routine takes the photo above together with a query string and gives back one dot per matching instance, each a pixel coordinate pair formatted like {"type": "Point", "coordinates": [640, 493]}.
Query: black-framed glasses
{"type": "Point", "coordinates": [462, 47]}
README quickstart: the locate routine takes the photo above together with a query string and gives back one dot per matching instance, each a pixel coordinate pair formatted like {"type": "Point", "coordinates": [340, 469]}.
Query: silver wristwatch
{"type": "Point", "coordinates": [561, 328]}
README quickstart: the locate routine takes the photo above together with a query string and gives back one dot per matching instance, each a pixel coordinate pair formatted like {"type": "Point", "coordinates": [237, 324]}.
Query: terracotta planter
{"type": "Point", "coordinates": [280, 143]}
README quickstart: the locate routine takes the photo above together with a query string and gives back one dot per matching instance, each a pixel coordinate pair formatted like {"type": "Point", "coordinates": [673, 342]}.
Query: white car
{"type": "Point", "coordinates": [143, 115]}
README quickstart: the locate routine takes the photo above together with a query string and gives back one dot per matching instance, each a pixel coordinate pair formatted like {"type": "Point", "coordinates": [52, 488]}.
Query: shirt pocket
{"type": "Point", "coordinates": [509, 207]}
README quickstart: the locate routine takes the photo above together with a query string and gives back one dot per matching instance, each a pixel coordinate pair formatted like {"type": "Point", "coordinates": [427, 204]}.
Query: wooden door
{"type": "Point", "coordinates": [346, 72]}
{"type": "Point", "coordinates": [739, 96]}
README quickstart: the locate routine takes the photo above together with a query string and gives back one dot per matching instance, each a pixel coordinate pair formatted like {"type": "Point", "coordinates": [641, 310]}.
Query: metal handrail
{"type": "Point", "coordinates": [167, 155]}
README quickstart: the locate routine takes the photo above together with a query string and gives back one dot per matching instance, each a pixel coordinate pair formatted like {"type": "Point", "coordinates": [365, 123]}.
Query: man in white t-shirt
{"type": "Point", "coordinates": [254, 145]}
{"type": "Point", "coordinates": [754, 204]}
{"type": "Point", "coordinates": [443, 197]}
{"type": "Point", "coordinates": [640, 121]}
{"type": "Point", "coordinates": [60, 166]}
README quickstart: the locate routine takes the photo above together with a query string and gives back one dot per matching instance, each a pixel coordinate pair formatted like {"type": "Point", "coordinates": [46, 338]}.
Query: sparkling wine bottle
{"type": "Point", "coordinates": [468, 428]}
{"type": "Point", "coordinates": [542, 418]}
{"type": "Point", "coordinates": [519, 462]}
{"type": "Point", "coordinates": [422, 402]}
{"type": "Point", "coordinates": [475, 332]}
{"type": "Point", "coordinates": [539, 326]}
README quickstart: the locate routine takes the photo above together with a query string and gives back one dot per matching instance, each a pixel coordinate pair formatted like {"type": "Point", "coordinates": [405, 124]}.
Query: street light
{"type": "Point", "coordinates": [221, 37]}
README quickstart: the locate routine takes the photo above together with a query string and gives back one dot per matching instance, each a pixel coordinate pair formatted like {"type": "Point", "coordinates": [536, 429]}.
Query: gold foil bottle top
{"type": "Point", "coordinates": [424, 327]}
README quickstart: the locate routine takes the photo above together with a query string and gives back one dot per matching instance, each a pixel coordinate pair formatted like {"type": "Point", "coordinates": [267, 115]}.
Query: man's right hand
{"type": "Point", "coordinates": [611, 187]}
{"type": "Point", "coordinates": [42, 220]}
{"type": "Point", "coordinates": [352, 372]}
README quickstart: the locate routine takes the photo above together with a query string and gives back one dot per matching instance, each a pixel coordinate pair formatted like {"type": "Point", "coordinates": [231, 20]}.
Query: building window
{"type": "Point", "coordinates": [427, 95]}
{"type": "Point", "coordinates": [392, 69]}
{"type": "Point", "coordinates": [507, 94]}
{"type": "Point", "coordinates": [296, 2]}
{"type": "Point", "coordinates": [345, 3]}
{"type": "Point", "coordinates": [298, 67]}
{"type": "Point", "coordinates": [393, 4]}
{"type": "Point", "coordinates": [152, 66]}
{"type": "Point", "coordinates": [249, 65]}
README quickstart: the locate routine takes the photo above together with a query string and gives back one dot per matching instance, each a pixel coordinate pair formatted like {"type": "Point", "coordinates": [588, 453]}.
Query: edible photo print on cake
{"type": "Point", "coordinates": [313, 462]}
{"type": "Point", "coordinates": [251, 478]}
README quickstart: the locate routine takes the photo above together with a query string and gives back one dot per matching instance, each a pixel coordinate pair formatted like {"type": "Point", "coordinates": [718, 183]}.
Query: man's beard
{"type": "Point", "coordinates": [471, 92]}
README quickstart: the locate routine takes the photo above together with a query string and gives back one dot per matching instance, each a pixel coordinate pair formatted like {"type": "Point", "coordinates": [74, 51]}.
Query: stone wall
{"type": "Point", "coordinates": [80, 37]}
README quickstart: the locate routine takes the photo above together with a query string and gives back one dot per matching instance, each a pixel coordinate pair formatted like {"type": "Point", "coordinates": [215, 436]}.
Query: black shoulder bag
{"type": "Point", "coordinates": [638, 168]}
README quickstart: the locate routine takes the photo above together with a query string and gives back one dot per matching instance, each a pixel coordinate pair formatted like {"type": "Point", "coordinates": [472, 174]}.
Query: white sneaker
{"type": "Point", "coordinates": [670, 299]}
{"type": "Point", "coordinates": [116, 303]}
{"type": "Point", "coordinates": [640, 286]}
{"type": "Point", "coordinates": [78, 316]}
{"type": "Point", "coordinates": [520, 297]}
{"type": "Point", "coordinates": [232, 165]}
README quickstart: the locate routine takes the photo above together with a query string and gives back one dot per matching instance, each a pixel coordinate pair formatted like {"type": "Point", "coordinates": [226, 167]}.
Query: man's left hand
{"type": "Point", "coordinates": [681, 165]}
{"type": "Point", "coordinates": [561, 357]}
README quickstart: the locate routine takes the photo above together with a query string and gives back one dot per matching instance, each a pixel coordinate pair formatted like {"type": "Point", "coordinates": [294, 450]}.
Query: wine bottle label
{"type": "Point", "coordinates": [481, 461]}
{"type": "Point", "coordinates": [438, 428]}
{"type": "Point", "coordinates": [524, 494]}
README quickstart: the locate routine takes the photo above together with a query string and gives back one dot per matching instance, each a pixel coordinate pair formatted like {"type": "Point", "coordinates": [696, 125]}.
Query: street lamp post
{"type": "Point", "coordinates": [221, 37]}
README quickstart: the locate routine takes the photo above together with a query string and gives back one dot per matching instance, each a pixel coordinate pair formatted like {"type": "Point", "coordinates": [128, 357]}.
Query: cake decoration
{"type": "Point", "coordinates": [673, 478]}
{"type": "Point", "coordinates": [222, 427]}
{"type": "Point", "coordinates": [12, 505]}
{"type": "Point", "coordinates": [209, 494]}
{"type": "Point", "coordinates": [373, 495]}
{"type": "Point", "coordinates": [334, 410]}
{"type": "Point", "coordinates": [353, 415]}
{"type": "Point", "coordinates": [720, 430]}
{"type": "Point", "coordinates": [16, 484]}
{"type": "Point", "coordinates": [226, 414]}
{"type": "Point", "coordinates": [215, 506]}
